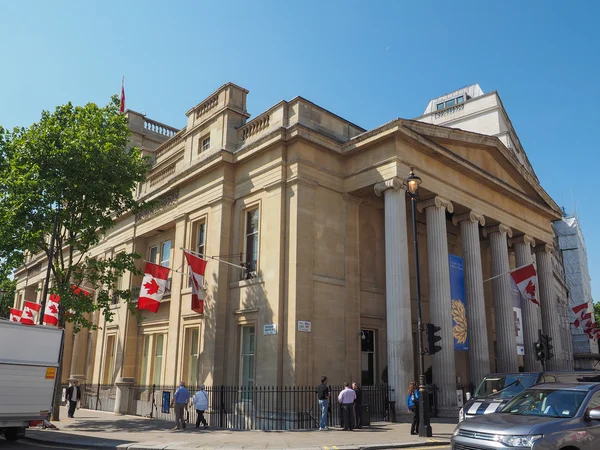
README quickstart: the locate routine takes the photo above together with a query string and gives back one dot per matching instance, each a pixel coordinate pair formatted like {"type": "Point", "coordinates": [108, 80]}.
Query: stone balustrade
{"type": "Point", "coordinates": [159, 128]}
{"type": "Point", "coordinates": [254, 126]}
{"type": "Point", "coordinates": [207, 106]}
{"type": "Point", "coordinates": [168, 145]}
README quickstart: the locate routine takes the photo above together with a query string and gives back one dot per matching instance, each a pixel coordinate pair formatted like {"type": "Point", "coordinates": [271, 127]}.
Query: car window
{"type": "Point", "coordinates": [504, 385]}
{"type": "Point", "coordinates": [548, 379]}
{"type": "Point", "coordinates": [546, 403]}
{"type": "Point", "coordinates": [594, 401]}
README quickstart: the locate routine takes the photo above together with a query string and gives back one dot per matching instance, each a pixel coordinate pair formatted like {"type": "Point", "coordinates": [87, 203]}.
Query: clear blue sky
{"type": "Point", "coordinates": [368, 61]}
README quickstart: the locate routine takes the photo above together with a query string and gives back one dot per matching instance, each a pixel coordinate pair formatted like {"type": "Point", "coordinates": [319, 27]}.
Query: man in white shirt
{"type": "Point", "coordinates": [346, 399]}
{"type": "Point", "coordinates": [200, 402]}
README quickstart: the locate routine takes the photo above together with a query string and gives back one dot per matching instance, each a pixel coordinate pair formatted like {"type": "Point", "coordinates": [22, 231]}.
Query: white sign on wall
{"type": "Point", "coordinates": [459, 397]}
{"type": "Point", "coordinates": [270, 329]}
{"type": "Point", "coordinates": [304, 326]}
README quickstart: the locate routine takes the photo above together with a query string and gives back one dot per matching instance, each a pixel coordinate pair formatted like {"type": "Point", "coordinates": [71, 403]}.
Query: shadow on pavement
{"type": "Point", "coordinates": [72, 440]}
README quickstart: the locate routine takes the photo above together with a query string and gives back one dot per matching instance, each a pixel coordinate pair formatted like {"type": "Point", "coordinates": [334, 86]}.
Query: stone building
{"type": "Point", "coordinates": [315, 208]}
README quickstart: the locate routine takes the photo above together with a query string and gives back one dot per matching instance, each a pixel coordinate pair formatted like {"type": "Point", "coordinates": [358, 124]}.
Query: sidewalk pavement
{"type": "Point", "coordinates": [102, 430]}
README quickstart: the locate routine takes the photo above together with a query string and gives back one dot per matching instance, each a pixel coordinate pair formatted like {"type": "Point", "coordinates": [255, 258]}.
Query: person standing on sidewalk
{"type": "Point", "coordinates": [357, 405]}
{"type": "Point", "coordinates": [200, 402]}
{"type": "Point", "coordinates": [323, 395]}
{"type": "Point", "coordinates": [412, 401]}
{"type": "Point", "coordinates": [346, 399]}
{"type": "Point", "coordinates": [73, 394]}
{"type": "Point", "coordinates": [180, 399]}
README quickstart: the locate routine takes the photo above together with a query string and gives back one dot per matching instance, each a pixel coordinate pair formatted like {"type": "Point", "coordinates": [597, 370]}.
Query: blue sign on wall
{"type": "Point", "coordinates": [166, 401]}
{"type": "Point", "coordinates": [457, 295]}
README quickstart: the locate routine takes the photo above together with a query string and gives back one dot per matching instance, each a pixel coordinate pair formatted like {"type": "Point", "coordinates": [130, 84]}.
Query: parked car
{"type": "Point", "coordinates": [549, 416]}
{"type": "Point", "coordinates": [497, 389]}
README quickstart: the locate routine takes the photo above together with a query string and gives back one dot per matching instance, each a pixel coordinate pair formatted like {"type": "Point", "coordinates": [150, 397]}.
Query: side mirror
{"type": "Point", "coordinates": [593, 414]}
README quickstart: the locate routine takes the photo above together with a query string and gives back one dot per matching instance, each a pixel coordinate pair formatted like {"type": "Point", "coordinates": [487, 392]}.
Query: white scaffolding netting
{"type": "Point", "coordinates": [572, 247]}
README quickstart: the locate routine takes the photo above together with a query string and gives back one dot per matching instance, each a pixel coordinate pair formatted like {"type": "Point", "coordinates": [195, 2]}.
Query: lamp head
{"type": "Point", "coordinates": [412, 182]}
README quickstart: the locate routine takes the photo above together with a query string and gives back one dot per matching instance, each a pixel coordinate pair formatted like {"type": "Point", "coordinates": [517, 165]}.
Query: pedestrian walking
{"type": "Point", "coordinates": [357, 405]}
{"type": "Point", "coordinates": [412, 401]}
{"type": "Point", "coordinates": [346, 399]}
{"type": "Point", "coordinates": [73, 395]}
{"type": "Point", "coordinates": [200, 402]}
{"type": "Point", "coordinates": [323, 396]}
{"type": "Point", "coordinates": [180, 401]}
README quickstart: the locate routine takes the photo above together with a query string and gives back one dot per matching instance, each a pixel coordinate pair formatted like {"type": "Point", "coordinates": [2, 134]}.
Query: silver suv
{"type": "Point", "coordinates": [551, 416]}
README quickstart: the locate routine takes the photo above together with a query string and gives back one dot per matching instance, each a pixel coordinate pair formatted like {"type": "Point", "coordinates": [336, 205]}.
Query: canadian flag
{"type": "Point", "coordinates": [525, 278]}
{"type": "Point", "coordinates": [591, 330]}
{"type": "Point", "coordinates": [197, 268]}
{"type": "Point", "coordinates": [51, 314]}
{"type": "Point", "coordinates": [30, 311]}
{"type": "Point", "coordinates": [15, 315]}
{"type": "Point", "coordinates": [582, 317]}
{"type": "Point", "coordinates": [153, 288]}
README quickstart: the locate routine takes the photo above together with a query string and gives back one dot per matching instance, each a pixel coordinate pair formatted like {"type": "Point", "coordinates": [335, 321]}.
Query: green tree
{"type": "Point", "coordinates": [76, 163]}
{"type": "Point", "coordinates": [596, 311]}
{"type": "Point", "coordinates": [7, 296]}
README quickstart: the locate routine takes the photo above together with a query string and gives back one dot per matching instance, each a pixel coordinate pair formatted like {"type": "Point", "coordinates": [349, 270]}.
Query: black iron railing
{"type": "Point", "coordinates": [243, 407]}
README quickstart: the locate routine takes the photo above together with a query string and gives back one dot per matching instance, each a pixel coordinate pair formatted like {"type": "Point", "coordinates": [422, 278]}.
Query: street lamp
{"type": "Point", "coordinates": [412, 183]}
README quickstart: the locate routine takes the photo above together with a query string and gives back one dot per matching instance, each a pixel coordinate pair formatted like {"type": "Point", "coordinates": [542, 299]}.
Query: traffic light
{"type": "Point", "coordinates": [432, 338]}
{"type": "Point", "coordinates": [539, 350]}
{"type": "Point", "coordinates": [547, 346]}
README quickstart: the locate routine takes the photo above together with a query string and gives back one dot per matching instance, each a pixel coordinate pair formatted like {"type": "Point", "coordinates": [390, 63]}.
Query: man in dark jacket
{"type": "Point", "coordinates": [323, 396]}
{"type": "Point", "coordinates": [357, 405]}
{"type": "Point", "coordinates": [73, 396]}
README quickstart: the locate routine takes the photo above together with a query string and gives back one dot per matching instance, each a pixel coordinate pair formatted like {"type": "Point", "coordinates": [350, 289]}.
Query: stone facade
{"type": "Point", "coordinates": [314, 207]}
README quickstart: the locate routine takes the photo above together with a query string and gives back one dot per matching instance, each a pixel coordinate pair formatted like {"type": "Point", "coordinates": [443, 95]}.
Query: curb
{"type": "Point", "coordinates": [141, 446]}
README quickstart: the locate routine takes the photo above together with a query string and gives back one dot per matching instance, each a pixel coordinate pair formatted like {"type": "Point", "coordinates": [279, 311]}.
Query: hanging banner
{"type": "Point", "coordinates": [457, 296]}
{"type": "Point", "coordinates": [518, 315]}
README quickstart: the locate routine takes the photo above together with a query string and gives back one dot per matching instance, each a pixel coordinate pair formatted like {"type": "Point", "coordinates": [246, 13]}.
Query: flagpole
{"type": "Point", "coordinates": [213, 258]}
{"type": "Point", "coordinates": [506, 273]}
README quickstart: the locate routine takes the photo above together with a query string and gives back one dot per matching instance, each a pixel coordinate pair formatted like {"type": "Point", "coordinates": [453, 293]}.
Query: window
{"type": "Point", "coordinates": [190, 369]}
{"type": "Point", "coordinates": [201, 238]}
{"type": "Point", "coordinates": [247, 347]}
{"type": "Point", "coordinates": [109, 365]}
{"type": "Point", "coordinates": [440, 106]}
{"type": "Point", "coordinates": [159, 341]}
{"type": "Point", "coordinates": [251, 250]}
{"type": "Point", "coordinates": [153, 254]}
{"type": "Point", "coordinates": [165, 254]}
{"type": "Point", "coordinates": [367, 348]}
{"type": "Point", "coordinates": [118, 287]}
{"type": "Point", "coordinates": [204, 144]}
{"type": "Point", "coordinates": [145, 355]}
{"type": "Point", "coordinates": [460, 100]}
{"type": "Point", "coordinates": [450, 103]}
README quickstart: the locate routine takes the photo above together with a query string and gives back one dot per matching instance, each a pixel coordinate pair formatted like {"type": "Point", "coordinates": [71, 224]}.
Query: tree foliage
{"type": "Point", "coordinates": [75, 162]}
{"type": "Point", "coordinates": [7, 296]}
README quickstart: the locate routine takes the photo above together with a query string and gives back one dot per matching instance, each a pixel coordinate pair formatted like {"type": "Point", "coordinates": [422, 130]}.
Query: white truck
{"type": "Point", "coordinates": [29, 358]}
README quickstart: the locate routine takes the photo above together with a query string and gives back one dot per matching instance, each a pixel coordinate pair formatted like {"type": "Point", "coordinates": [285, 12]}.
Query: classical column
{"type": "Point", "coordinates": [440, 305]}
{"type": "Point", "coordinates": [506, 342]}
{"type": "Point", "coordinates": [532, 320]}
{"type": "Point", "coordinates": [479, 354]}
{"type": "Point", "coordinates": [548, 301]}
{"type": "Point", "coordinates": [397, 289]}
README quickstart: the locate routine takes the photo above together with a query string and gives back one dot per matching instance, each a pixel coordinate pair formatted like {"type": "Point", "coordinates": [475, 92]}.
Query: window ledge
{"type": "Point", "coordinates": [244, 283]}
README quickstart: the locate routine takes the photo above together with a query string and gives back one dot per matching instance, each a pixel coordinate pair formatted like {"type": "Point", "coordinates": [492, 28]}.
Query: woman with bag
{"type": "Point", "coordinates": [200, 402]}
{"type": "Point", "coordinates": [412, 402]}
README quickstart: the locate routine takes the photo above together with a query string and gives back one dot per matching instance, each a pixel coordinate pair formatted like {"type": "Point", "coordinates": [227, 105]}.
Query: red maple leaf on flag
{"type": "Point", "coordinates": [53, 309]}
{"type": "Point", "coordinates": [151, 287]}
{"type": "Point", "coordinates": [530, 289]}
{"type": "Point", "coordinates": [29, 313]}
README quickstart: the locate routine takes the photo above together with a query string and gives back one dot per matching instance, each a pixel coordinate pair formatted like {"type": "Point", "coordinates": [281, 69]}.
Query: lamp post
{"type": "Point", "coordinates": [412, 183]}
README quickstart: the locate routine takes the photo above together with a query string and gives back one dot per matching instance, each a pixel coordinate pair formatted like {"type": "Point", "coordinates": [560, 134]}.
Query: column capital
{"type": "Point", "coordinates": [524, 239]}
{"type": "Point", "coordinates": [438, 202]}
{"type": "Point", "coordinates": [500, 228]}
{"type": "Point", "coordinates": [393, 183]}
{"type": "Point", "coordinates": [545, 248]}
{"type": "Point", "coordinates": [471, 215]}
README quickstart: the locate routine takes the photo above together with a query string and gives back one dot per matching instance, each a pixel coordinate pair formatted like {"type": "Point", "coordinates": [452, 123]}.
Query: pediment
{"type": "Point", "coordinates": [486, 153]}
